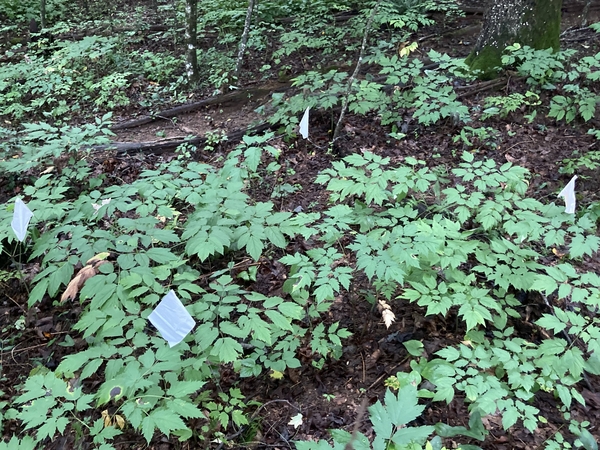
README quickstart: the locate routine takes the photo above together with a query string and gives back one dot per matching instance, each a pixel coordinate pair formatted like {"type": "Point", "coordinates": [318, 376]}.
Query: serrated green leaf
{"type": "Point", "coordinates": [37, 293]}
{"type": "Point", "coordinates": [185, 408]}
{"type": "Point", "coordinates": [509, 417]}
{"type": "Point", "coordinates": [167, 420]}
{"type": "Point", "coordinates": [254, 247]}
{"type": "Point", "coordinates": [449, 353]}
{"type": "Point", "coordinates": [232, 330]}
{"type": "Point", "coordinates": [253, 156]}
{"type": "Point", "coordinates": [279, 320]}
{"type": "Point", "coordinates": [382, 424]}
{"type": "Point", "coordinates": [148, 426]}
{"type": "Point", "coordinates": [239, 418]}
{"type": "Point", "coordinates": [551, 322]}
{"type": "Point", "coordinates": [291, 310]}
{"type": "Point", "coordinates": [91, 368]}
{"type": "Point", "coordinates": [275, 237]}
{"type": "Point", "coordinates": [147, 359]}
{"type": "Point", "coordinates": [161, 255]}
{"type": "Point", "coordinates": [184, 388]}
{"type": "Point", "coordinates": [226, 349]}
{"type": "Point", "coordinates": [405, 436]}
{"type": "Point", "coordinates": [564, 395]}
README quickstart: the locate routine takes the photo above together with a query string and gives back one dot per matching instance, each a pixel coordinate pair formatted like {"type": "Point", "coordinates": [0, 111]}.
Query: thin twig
{"type": "Point", "coordinates": [338, 126]}
{"type": "Point", "coordinates": [359, 417]}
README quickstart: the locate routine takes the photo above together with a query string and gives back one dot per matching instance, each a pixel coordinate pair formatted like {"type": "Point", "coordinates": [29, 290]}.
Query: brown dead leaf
{"type": "Point", "coordinates": [82, 276]}
{"type": "Point", "coordinates": [386, 313]}
{"type": "Point", "coordinates": [106, 417]}
{"type": "Point", "coordinates": [119, 421]}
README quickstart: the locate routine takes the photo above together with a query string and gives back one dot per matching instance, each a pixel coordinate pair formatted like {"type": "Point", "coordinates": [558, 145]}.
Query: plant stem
{"type": "Point", "coordinates": [338, 126]}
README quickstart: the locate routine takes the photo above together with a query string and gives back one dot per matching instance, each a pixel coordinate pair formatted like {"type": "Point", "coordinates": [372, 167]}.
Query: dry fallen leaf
{"type": "Point", "coordinates": [119, 421]}
{"type": "Point", "coordinates": [83, 275]}
{"type": "Point", "coordinates": [106, 417]}
{"type": "Point", "coordinates": [386, 313]}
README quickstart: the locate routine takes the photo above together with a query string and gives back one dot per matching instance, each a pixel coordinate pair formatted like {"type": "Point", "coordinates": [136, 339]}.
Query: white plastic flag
{"type": "Point", "coordinates": [304, 124]}
{"type": "Point", "coordinates": [172, 319]}
{"type": "Point", "coordinates": [97, 206]}
{"type": "Point", "coordinates": [568, 193]}
{"type": "Point", "coordinates": [21, 218]}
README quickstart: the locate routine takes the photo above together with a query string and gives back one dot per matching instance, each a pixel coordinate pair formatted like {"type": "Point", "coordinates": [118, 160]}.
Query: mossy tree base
{"type": "Point", "coordinates": [535, 23]}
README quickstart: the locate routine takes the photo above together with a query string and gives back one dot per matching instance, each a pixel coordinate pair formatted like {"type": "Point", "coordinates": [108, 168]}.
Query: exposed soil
{"type": "Point", "coordinates": [331, 397]}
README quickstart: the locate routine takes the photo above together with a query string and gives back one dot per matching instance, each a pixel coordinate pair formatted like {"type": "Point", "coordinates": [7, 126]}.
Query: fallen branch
{"type": "Point", "coordinates": [165, 145]}
{"type": "Point", "coordinates": [239, 95]}
{"type": "Point", "coordinates": [481, 87]}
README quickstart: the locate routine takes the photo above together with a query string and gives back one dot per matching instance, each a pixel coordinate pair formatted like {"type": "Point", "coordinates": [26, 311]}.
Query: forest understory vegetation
{"type": "Point", "coordinates": [395, 271]}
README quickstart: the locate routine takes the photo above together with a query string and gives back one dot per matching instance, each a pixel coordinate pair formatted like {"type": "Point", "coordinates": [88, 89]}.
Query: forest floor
{"type": "Point", "coordinates": [330, 397]}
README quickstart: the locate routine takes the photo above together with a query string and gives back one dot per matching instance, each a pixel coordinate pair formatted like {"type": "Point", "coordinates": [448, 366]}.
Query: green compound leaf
{"type": "Point", "coordinates": [226, 349]}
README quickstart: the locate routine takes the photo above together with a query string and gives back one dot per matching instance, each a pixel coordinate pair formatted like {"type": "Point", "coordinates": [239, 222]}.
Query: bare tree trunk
{"type": "Point", "coordinates": [191, 34]}
{"type": "Point", "coordinates": [43, 13]}
{"type": "Point", "coordinates": [535, 23]}
{"type": "Point", "coordinates": [242, 49]}
{"type": "Point", "coordinates": [585, 13]}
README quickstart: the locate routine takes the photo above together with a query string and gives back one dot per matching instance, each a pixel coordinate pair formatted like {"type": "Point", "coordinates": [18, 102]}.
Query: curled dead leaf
{"type": "Point", "coordinates": [106, 418]}
{"type": "Point", "coordinates": [386, 313]}
{"type": "Point", "coordinates": [119, 421]}
{"type": "Point", "coordinates": [82, 276]}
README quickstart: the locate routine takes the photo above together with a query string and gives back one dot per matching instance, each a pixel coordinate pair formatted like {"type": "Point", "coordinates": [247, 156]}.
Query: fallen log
{"type": "Point", "coordinates": [165, 145]}
{"type": "Point", "coordinates": [240, 95]}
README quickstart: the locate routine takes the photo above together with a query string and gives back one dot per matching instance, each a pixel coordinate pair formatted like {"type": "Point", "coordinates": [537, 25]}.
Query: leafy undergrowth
{"type": "Point", "coordinates": [470, 243]}
{"type": "Point", "coordinates": [469, 240]}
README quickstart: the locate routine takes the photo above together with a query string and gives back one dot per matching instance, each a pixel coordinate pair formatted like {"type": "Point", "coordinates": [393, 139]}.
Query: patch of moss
{"type": "Point", "coordinates": [545, 32]}
{"type": "Point", "coordinates": [486, 63]}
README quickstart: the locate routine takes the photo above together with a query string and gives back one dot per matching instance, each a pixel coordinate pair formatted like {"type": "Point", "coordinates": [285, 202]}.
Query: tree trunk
{"type": "Point", "coordinates": [43, 13]}
{"type": "Point", "coordinates": [585, 13]}
{"type": "Point", "coordinates": [242, 48]}
{"type": "Point", "coordinates": [535, 23]}
{"type": "Point", "coordinates": [191, 33]}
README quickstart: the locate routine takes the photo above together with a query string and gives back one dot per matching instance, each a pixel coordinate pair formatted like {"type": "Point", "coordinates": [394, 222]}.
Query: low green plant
{"type": "Point", "coordinates": [160, 67]}
{"type": "Point", "coordinates": [40, 144]}
{"type": "Point", "coordinates": [582, 102]}
{"type": "Point", "coordinates": [110, 90]}
{"type": "Point", "coordinates": [504, 105]}
{"type": "Point", "coordinates": [429, 98]}
{"type": "Point", "coordinates": [475, 137]}
{"type": "Point", "coordinates": [589, 160]}
{"type": "Point", "coordinates": [213, 139]}
{"type": "Point", "coordinates": [412, 14]}
{"type": "Point", "coordinates": [498, 233]}
{"type": "Point", "coordinates": [391, 425]}
{"type": "Point", "coordinates": [542, 68]}
{"type": "Point", "coordinates": [155, 227]}
{"type": "Point", "coordinates": [548, 70]}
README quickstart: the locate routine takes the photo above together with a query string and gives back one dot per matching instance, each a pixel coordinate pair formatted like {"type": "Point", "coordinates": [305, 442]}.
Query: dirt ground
{"type": "Point", "coordinates": [330, 398]}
